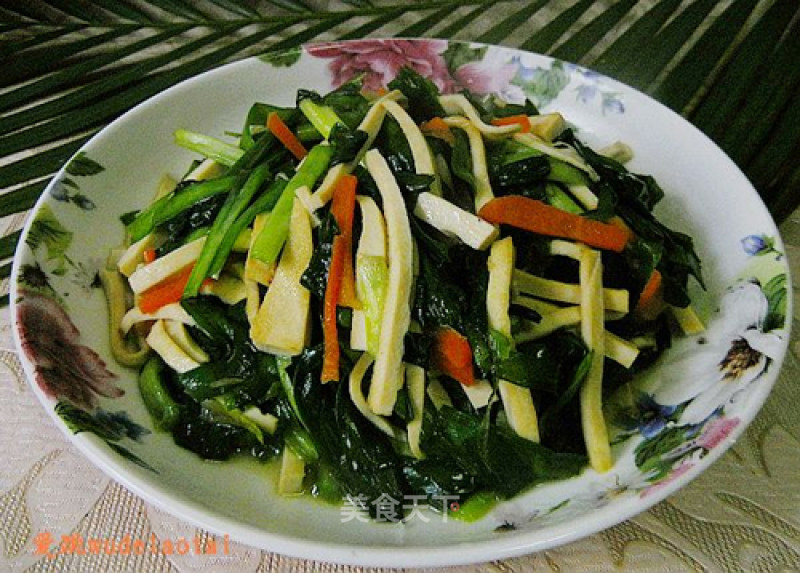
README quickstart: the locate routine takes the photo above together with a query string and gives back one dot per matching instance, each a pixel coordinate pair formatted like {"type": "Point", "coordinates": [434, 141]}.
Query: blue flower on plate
{"type": "Point", "coordinates": [759, 245]}
{"type": "Point", "coordinates": [652, 416]}
{"type": "Point", "coordinates": [586, 92]}
{"type": "Point", "coordinates": [612, 104]}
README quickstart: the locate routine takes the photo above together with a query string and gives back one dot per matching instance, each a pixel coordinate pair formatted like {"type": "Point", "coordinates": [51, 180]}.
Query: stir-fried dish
{"type": "Point", "coordinates": [398, 294]}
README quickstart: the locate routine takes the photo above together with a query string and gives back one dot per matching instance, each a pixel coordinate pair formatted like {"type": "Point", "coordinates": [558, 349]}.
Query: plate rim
{"type": "Point", "coordinates": [516, 544]}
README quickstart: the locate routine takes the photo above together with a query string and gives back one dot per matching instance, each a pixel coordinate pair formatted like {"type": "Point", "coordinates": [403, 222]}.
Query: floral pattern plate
{"type": "Point", "coordinates": [666, 429]}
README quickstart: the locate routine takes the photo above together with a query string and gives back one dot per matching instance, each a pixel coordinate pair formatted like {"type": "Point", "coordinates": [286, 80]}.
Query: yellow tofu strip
{"type": "Point", "coordinates": [164, 267]}
{"type": "Point", "coordinates": [208, 169]}
{"type": "Point", "coordinates": [480, 171]}
{"type": "Point", "coordinates": [454, 221]}
{"type": "Point", "coordinates": [282, 323]}
{"type": "Point", "coordinates": [595, 433]}
{"type": "Point", "coordinates": [133, 256]}
{"type": "Point", "coordinates": [621, 351]}
{"type": "Point", "coordinates": [517, 401]}
{"type": "Point", "coordinates": [616, 300]}
{"type": "Point", "coordinates": [423, 159]}
{"type": "Point", "coordinates": [169, 350]}
{"type": "Point", "coordinates": [253, 300]}
{"type": "Point", "coordinates": [617, 349]}
{"type": "Point", "coordinates": [228, 288]}
{"type": "Point", "coordinates": [618, 151]}
{"type": "Point", "coordinates": [548, 126]}
{"type": "Point", "coordinates": [458, 104]}
{"type": "Point", "coordinates": [688, 320]}
{"type": "Point", "coordinates": [563, 152]}
{"type": "Point", "coordinates": [293, 471]}
{"type": "Point", "coordinates": [415, 383]}
{"type": "Point", "coordinates": [116, 290]}
{"type": "Point", "coordinates": [536, 305]}
{"type": "Point", "coordinates": [360, 402]}
{"type": "Point", "coordinates": [178, 333]}
{"type": "Point", "coordinates": [173, 311]}
{"type": "Point", "coordinates": [371, 125]}
{"type": "Point", "coordinates": [255, 270]}
{"type": "Point", "coordinates": [438, 394]}
{"type": "Point", "coordinates": [585, 196]}
{"type": "Point", "coordinates": [387, 377]}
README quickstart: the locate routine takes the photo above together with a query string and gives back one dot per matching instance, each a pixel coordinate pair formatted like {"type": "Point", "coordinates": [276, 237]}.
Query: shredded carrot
{"type": "Point", "coordinates": [166, 292]}
{"type": "Point", "coordinates": [538, 217]}
{"type": "Point", "coordinates": [282, 132]}
{"type": "Point", "coordinates": [330, 334]}
{"type": "Point", "coordinates": [452, 355]}
{"type": "Point", "coordinates": [340, 273]}
{"type": "Point", "coordinates": [149, 255]}
{"type": "Point", "coordinates": [521, 120]}
{"type": "Point", "coordinates": [343, 209]}
{"type": "Point", "coordinates": [436, 127]}
{"type": "Point", "coordinates": [651, 300]}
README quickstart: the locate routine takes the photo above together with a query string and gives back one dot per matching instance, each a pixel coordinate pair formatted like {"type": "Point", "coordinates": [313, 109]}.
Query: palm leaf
{"type": "Point", "coordinates": [575, 48]}
{"type": "Point", "coordinates": [680, 85]}
{"type": "Point", "coordinates": [72, 66]}
{"type": "Point", "coordinates": [546, 38]}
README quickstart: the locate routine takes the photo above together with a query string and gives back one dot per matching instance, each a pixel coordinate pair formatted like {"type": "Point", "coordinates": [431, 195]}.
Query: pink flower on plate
{"type": "Point", "coordinates": [715, 432]}
{"type": "Point", "coordinates": [685, 466]}
{"type": "Point", "coordinates": [380, 60]}
{"type": "Point", "coordinates": [63, 367]}
{"type": "Point", "coordinates": [482, 77]}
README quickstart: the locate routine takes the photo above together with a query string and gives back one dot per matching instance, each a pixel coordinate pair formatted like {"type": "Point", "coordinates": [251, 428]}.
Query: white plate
{"type": "Point", "coordinates": [76, 222]}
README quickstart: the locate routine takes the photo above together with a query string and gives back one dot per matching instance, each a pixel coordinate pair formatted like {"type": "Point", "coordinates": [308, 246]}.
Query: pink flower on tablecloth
{"type": "Point", "coordinates": [63, 367]}
{"type": "Point", "coordinates": [380, 60]}
{"type": "Point", "coordinates": [715, 432]}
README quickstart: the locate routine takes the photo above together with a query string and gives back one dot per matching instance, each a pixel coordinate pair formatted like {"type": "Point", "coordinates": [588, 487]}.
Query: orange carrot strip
{"type": "Point", "coordinates": [166, 292]}
{"type": "Point", "coordinates": [343, 209]}
{"type": "Point", "coordinates": [651, 300]}
{"type": "Point", "coordinates": [340, 274]}
{"type": "Point", "coordinates": [452, 355]}
{"type": "Point", "coordinates": [149, 255]}
{"type": "Point", "coordinates": [282, 132]}
{"type": "Point", "coordinates": [521, 120]}
{"type": "Point", "coordinates": [436, 127]}
{"type": "Point", "coordinates": [330, 335]}
{"type": "Point", "coordinates": [538, 217]}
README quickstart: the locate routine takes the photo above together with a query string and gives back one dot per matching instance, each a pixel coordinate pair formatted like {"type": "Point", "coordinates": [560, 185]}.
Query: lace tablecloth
{"type": "Point", "coordinates": [60, 513]}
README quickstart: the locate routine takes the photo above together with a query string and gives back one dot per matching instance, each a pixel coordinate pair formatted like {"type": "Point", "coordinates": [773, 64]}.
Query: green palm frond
{"type": "Point", "coordinates": [72, 66]}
